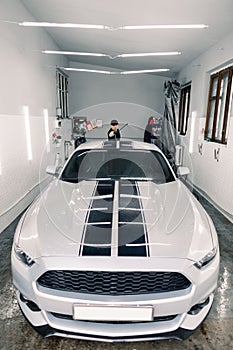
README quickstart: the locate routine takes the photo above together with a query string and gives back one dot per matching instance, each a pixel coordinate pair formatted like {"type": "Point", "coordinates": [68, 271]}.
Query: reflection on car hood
{"type": "Point", "coordinates": [152, 220]}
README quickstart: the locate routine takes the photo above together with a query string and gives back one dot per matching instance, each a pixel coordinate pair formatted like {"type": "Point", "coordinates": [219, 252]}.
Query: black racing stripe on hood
{"type": "Point", "coordinates": [131, 228]}
{"type": "Point", "coordinates": [100, 211]}
{"type": "Point", "coordinates": [131, 234]}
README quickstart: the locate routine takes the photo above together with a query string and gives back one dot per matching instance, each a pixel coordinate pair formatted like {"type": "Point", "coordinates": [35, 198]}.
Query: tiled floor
{"type": "Point", "coordinates": [216, 333]}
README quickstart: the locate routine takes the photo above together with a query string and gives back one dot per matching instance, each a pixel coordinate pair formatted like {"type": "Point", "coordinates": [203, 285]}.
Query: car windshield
{"type": "Point", "coordinates": [141, 165]}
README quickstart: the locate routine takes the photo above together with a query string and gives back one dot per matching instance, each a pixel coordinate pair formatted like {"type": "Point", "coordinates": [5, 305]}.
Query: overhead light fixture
{"type": "Point", "coordinates": [62, 25]}
{"type": "Point", "coordinates": [88, 70]}
{"type": "Point", "coordinates": [145, 71]}
{"type": "Point", "coordinates": [100, 26]}
{"type": "Point", "coordinates": [117, 73]}
{"type": "Point", "coordinates": [125, 55]}
{"type": "Point", "coordinates": [76, 53]}
{"type": "Point", "coordinates": [148, 54]}
{"type": "Point", "coordinates": [166, 26]}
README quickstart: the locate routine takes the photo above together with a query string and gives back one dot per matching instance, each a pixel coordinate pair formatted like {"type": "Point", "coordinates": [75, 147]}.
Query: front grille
{"type": "Point", "coordinates": [114, 283]}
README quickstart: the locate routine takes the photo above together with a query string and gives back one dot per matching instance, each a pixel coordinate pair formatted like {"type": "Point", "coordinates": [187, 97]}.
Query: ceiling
{"type": "Point", "coordinates": [218, 15]}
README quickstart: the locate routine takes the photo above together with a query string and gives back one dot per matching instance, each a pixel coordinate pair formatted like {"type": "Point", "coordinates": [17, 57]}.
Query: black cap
{"type": "Point", "coordinates": [114, 122]}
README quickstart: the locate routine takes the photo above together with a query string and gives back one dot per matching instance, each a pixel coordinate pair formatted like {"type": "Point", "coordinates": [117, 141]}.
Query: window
{"type": "Point", "coordinates": [184, 109]}
{"type": "Point", "coordinates": [62, 94]}
{"type": "Point", "coordinates": [131, 165]}
{"type": "Point", "coordinates": [218, 109]}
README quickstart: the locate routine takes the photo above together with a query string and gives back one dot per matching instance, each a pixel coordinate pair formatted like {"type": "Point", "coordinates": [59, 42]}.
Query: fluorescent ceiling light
{"type": "Point", "coordinates": [100, 26]}
{"type": "Point", "coordinates": [117, 73]}
{"type": "Point", "coordinates": [62, 25]}
{"type": "Point", "coordinates": [145, 71]}
{"type": "Point", "coordinates": [167, 26]}
{"type": "Point", "coordinates": [88, 70]}
{"type": "Point", "coordinates": [74, 53]}
{"type": "Point", "coordinates": [125, 55]}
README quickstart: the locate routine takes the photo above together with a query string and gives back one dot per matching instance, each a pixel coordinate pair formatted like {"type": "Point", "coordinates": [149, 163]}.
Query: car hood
{"type": "Point", "coordinates": [170, 220]}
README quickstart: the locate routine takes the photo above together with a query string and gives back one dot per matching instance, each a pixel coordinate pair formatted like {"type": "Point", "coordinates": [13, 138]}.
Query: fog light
{"type": "Point", "coordinates": [30, 304]}
{"type": "Point", "coordinates": [198, 307]}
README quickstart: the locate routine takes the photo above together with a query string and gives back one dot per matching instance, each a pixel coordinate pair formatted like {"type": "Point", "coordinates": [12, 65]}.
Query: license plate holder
{"type": "Point", "coordinates": [96, 312]}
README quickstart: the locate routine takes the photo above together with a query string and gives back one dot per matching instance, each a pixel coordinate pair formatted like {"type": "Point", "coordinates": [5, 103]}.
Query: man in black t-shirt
{"type": "Point", "coordinates": [113, 132]}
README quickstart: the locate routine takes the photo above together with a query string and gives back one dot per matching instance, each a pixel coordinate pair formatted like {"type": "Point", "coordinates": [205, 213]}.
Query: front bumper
{"type": "Point", "coordinates": [49, 324]}
{"type": "Point", "coordinates": [52, 314]}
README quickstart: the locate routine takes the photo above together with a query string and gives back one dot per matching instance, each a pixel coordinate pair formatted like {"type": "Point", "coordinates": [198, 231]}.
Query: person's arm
{"type": "Point", "coordinates": [111, 134]}
{"type": "Point", "coordinates": [147, 137]}
{"type": "Point", "coordinates": [117, 134]}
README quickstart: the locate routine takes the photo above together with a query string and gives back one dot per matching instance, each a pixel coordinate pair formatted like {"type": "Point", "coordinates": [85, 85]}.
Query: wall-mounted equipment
{"type": "Point", "coordinates": [179, 155]}
{"type": "Point", "coordinates": [217, 154]}
{"type": "Point", "coordinates": [200, 148]}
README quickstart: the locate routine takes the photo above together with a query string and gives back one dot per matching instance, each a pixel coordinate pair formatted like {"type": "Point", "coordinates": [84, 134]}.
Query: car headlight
{"type": "Point", "coordinates": [22, 256]}
{"type": "Point", "coordinates": [207, 259]}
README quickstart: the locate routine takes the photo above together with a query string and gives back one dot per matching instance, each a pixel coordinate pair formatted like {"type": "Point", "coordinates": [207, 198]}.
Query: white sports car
{"type": "Point", "coordinates": [116, 248]}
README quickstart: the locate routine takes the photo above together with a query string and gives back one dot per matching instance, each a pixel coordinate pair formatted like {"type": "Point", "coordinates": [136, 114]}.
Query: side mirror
{"type": "Point", "coordinates": [52, 170]}
{"type": "Point", "coordinates": [183, 171]}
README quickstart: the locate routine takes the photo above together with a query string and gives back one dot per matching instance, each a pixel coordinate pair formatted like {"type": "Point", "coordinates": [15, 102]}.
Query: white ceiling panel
{"type": "Point", "coordinates": [218, 15]}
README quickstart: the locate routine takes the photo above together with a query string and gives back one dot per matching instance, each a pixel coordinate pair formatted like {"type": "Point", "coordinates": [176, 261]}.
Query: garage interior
{"type": "Point", "coordinates": [53, 73]}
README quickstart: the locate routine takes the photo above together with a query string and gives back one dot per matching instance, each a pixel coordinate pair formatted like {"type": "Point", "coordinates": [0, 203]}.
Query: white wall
{"type": "Point", "coordinates": [213, 178]}
{"type": "Point", "coordinates": [27, 78]}
{"type": "Point", "coordinates": [129, 98]}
